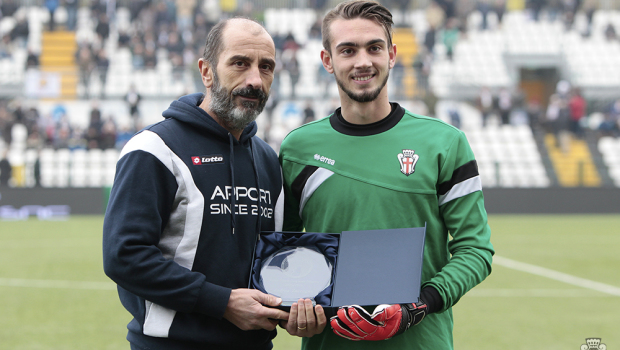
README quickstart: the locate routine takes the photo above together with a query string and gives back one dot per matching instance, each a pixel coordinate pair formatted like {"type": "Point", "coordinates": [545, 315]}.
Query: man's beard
{"type": "Point", "coordinates": [364, 96]}
{"type": "Point", "coordinates": [233, 116]}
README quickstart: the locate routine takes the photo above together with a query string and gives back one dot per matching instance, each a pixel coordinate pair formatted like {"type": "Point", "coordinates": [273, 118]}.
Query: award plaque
{"type": "Point", "coordinates": [297, 272]}
{"type": "Point", "coordinates": [364, 268]}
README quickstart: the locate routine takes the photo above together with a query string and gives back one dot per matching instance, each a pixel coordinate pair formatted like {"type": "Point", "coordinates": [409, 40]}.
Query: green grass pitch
{"type": "Point", "coordinates": [54, 294]}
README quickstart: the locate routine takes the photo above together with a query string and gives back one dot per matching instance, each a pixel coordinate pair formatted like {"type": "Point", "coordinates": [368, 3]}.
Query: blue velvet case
{"type": "Point", "coordinates": [271, 242]}
{"type": "Point", "coordinates": [369, 267]}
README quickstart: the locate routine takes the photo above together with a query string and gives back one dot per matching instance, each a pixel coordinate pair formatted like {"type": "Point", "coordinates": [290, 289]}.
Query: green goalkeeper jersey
{"type": "Point", "coordinates": [406, 170]}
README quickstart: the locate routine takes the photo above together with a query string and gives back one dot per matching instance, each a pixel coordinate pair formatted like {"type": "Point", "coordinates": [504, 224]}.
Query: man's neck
{"type": "Point", "coordinates": [365, 112]}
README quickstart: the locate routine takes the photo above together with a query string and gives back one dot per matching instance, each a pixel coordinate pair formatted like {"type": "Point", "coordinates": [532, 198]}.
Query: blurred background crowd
{"type": "Point", "coordinates": [542, 74]}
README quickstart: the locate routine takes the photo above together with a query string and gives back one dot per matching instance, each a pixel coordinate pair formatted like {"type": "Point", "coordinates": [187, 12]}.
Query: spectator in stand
{"type": "Point", "coordinates": [485, 104]}
{"type": "Point", "coordinates": [103, 29]}
{"type": "Point", "coordinates": [95, 120]}
{"type": "Point", "coordinates": [137, 56]}
{"type": "Point", "coordinates": [448, 7]}
{"type": "Point", "coordinates": [450, 35]}
{"type": "Point", "coordinates": [32, 60]}
{"type": "Point", "coordinates": [435, 15]}
{"type": "Point", "coordinates": [534, 113]}
{"type": "Point", "coordinates": [86, 64]}
{"type": "Point", "coordinates": [51, 6]}
{"type": "Point", "coordinates": [315, 30]}
{"type": "Point", "coordinates": [484, 7]}
{"type": "Point", "coordinates": [535, 6]}
{"type": "Point", "coordinates": [422, 68]}
{"type": "Point", "coordinates": [557, 120]}
{"type": "Point", "coordinates": [290, 43]}
{"type": "Point", "coordinates": [185, 12]}
{"type": "Point", "coordinates": [430, 39]}
{"type": "Point", "coordinates": [577, 106]}
{"type": "Point", "coordinates": [123, 38]}
{"type": "Point", "coordinates": [7, 120]}
{"type": "Point", "coordinates": [292, 67]}
{"type": "Point", "coordinates": [162, 15]}
{"type": "Point", "coordinates": [455, 116]}
{"type": "Point", "coordinates": [62, 136]}
{"type": "Point", "coordinates": [175, 44]}
{"type": "Point", "coordinates": [8, 8]}
{"type": "Point", "coordinates": [589, 7]}
{"type": "Point", "coordinates": [19, 34]}
{"type": "Point", "coordinates": [6, 47]}
{"type": "Point", "coordinates": [92, 138]}
{"type": "Point", "coordinates": [77, 139]}
{"type": "Point", "coordinates": [133, 100]}
{"type": "Point", "coordinates": [103, 64]}
{"type": "Point", "coordinates": [611, 125]}
{"type": "Point", "coordinates": [72, 7]}
{"type": "Point", "coordinates": [554, 9]}
{"type": "Point", "coordinates": [504, 105]}
{"type": "Point", "coordinates": [122, 136]}
{"type": "Point", "coordinates": [34, 140]}
{"type": "Point", "coordinates": [499, 7]}
{"type": "Point", "coordinates": [309, 114]}
{"type": "Point", "coordinates": [6, 170]}
{"type": "Point", "coordinates": [150, 58]}
{"type": "Point", "coordinates": [610, 32]}
{"type": "Point", "coordinates": [108, 134]}
{"type": "Point", "coordinates": [201, 28]}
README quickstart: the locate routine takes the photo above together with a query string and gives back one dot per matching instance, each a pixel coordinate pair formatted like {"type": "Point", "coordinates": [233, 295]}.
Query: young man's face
{"type": "Point", "coordinates": [360, 58]}
{"type": "Point", "coordinates": [239, 86]}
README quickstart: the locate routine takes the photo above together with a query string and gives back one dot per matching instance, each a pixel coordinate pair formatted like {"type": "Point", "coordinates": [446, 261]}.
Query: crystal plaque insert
{"type": "Point", "coordinates": [292, 273]}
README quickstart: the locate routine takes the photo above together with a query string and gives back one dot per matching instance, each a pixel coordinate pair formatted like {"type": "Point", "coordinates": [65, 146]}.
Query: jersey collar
{"type": "Point", "coordinates": [341, 125]}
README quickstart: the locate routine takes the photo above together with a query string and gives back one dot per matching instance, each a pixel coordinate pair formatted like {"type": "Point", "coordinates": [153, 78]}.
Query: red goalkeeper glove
{"type": "Point", "coordinates": [354, 323]}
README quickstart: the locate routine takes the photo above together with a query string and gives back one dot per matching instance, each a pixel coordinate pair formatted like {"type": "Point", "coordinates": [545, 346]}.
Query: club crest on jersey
{"type": "Point", "coordinates": [407, 160]}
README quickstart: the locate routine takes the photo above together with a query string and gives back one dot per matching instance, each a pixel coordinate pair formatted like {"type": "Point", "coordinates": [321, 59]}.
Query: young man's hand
{"type": "Point", "coordinates": [354, 323]}
{"type": "Point", "coordinates": [305, 320]}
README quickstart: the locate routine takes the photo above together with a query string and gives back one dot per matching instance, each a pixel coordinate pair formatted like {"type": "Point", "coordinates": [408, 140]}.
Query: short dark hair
{"type": "Point", "coordinates": [215, 44]}
{"type": "Point", "coordinates": [371, 10]}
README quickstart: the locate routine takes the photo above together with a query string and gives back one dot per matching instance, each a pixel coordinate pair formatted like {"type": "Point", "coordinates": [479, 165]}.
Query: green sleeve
{"type": "Point", "coordinates": [466, 220]}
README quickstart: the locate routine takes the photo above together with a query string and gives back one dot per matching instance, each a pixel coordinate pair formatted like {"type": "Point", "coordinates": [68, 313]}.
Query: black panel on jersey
{"type": "Point", "coordinates": [385, 124]}
{"type": "Point", "coordinates": [462, 173]}
{"type": "Point", "coordinates": [300, 182]}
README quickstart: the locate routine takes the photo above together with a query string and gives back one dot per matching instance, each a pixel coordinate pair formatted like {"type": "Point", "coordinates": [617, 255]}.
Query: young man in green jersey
{"type": "Point", "coordinates": [374, 165]}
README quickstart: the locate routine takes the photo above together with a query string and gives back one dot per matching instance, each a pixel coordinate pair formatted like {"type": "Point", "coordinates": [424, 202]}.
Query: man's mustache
{"type": "Point", "coordinates": [250, 92]}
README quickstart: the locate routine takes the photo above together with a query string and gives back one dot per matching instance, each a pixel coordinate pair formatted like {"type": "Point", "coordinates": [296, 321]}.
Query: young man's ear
{"type": "Point", "coordinates": [206, 72]}
{"type": "Point", "coordinates": [327, 61]}
{"type": "Point", "coordinates": [392, 55]}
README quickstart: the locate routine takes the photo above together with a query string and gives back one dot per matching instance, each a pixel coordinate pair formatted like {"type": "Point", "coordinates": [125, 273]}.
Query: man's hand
{"type": "Point", "coordinates": [354, 323]}
{"type": "Point", "coordinates": [248, 309]}
{"type": "Point", "coordinates": [305, 320]}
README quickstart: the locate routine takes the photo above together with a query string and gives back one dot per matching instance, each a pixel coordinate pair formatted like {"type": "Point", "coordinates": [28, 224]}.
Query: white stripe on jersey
{"type": "Point", "coordinates": [314, 181]}
{"type": "Point", "coordinates": [461, 189]}
{"type": "Point", "coordinates": [179, 240]}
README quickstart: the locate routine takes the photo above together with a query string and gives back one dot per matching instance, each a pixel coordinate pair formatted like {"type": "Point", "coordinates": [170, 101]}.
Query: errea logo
{"type": "Point", "coordinates": [210, 159]}
{"type": "Point", "coordinates": [325, 160]}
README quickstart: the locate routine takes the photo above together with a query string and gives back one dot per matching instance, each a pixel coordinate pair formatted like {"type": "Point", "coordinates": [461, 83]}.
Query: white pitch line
{"type": "Point", "coordinates": [556, 275]}
{"type": "Point", "coordinates": [32, 283]}
{"type": "Point", "coordinates": [534, 293]}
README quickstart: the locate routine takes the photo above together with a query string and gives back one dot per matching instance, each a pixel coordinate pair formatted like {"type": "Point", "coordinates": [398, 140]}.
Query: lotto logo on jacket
{"type": "Point", "coordinates": [215, 158]}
